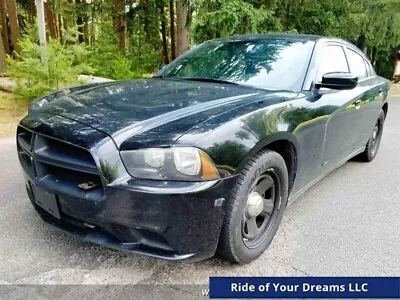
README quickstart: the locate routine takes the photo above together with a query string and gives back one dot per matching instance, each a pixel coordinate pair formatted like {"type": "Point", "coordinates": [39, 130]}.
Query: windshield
{"type": "Point", "coordinates": [272, 63]}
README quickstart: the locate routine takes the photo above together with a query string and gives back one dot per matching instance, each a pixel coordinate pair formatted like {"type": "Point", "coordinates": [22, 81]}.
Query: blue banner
{"type": "Point", "coordinates": [305, 287]}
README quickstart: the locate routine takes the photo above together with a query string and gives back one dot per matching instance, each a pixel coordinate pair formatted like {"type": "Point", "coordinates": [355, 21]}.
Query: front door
{"type": "Point", "coordinates": [343, 125]}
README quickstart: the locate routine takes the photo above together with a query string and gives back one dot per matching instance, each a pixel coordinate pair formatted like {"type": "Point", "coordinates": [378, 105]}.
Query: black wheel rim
{"type": "Point", "coordinates": [376, 137]}
{"type": "Point", "coordinates": [256, 228]}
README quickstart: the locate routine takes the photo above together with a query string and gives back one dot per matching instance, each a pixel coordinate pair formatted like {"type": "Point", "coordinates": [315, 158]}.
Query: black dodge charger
{"type": "Point", "coordinates": [204, 157]}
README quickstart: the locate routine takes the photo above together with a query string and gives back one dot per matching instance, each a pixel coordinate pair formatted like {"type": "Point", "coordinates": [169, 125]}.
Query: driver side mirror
{"type": "Point", "coordinates": [338, 81]}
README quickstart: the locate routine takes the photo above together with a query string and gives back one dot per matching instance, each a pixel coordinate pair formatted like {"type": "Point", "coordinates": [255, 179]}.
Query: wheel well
{"type": "Point", "coordinates": [385, 109]}
{"type": "Point", "coordinates": [287, 150]}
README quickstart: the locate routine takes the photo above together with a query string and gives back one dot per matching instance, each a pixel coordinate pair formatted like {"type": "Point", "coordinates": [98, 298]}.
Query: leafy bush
{"type": "Point", "coordinates": [384, 64]}
{"type": "Point", "coordinates": [110, 62]}
{"type": "Point", "coordinates": [107, 59]}
{"type": "Point", "coordinates": [65, 62]}
{"type": "Point", "coordinates": [138, 60]}
{"type": "Point", "coordinates": [145, 59]}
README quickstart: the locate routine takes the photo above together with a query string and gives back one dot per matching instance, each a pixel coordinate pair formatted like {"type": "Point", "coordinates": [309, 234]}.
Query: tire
{"type": "Point", "coordinates": [240, 241]}
{"type": "Point", "coordinates": [372, 147]}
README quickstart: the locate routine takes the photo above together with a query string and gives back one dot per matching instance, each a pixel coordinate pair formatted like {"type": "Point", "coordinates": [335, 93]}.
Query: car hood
{"type": "Point", "coordinates": [153, 111]}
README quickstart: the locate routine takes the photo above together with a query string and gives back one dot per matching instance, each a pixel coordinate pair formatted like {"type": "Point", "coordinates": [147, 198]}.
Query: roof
{"type": "Point", "coordinates": [289, 36]}
{"type": "Point", "coordinates": [303, 37]}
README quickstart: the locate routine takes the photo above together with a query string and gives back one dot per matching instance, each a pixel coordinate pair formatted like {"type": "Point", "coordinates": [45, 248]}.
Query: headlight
{"type": "Point", "coordinates": [177, 163]}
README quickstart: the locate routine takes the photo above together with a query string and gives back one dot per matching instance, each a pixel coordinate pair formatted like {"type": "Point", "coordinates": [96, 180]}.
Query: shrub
{"type": "Point", "coordinates": [65, 62]}
{"type": "Point", "coordinates": [110, 62]}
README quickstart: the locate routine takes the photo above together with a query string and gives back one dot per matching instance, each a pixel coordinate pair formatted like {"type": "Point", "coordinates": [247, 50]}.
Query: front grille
{"type": "Point", "coordinates": [59, 166]}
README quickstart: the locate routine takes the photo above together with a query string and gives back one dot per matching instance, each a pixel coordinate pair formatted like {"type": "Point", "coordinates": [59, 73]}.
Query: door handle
{"type": "Point", "coordinates": [357, 103]}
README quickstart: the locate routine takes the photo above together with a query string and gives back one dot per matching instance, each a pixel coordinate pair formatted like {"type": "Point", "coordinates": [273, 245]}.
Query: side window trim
{"type": "Point", "coordinates": [309, 69]}
{"type": "Point", "coordinates": [371, 67]}
{"type": "Point", "coordinates": [369, 71]}
{"type": "Point", "coordinates": [347, 59]}
{"type": "Point", "coordinates": [312, 72]}
{"type": "Point", "coordinates": [309, 78]}
{"type": "Point", "coordinates": [368, 66]}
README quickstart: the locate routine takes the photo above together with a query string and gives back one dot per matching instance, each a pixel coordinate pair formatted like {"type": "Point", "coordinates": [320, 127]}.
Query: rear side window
{"type": "Point", "coordinates": [333, 60]}
{"type": "Point", "coordinates": [357, 64]}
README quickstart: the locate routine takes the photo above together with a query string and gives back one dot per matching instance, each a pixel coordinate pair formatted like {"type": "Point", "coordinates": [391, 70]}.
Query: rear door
{"type": "Point", "coordinates": [373, 90]}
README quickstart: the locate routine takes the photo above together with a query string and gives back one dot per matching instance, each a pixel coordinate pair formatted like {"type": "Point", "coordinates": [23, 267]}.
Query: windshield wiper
{"type": "Point", "coordinates": [207, 79]}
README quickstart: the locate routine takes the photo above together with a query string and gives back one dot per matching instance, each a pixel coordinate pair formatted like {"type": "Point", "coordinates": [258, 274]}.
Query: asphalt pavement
{"type": "Point", "coordinates": [346, 225]}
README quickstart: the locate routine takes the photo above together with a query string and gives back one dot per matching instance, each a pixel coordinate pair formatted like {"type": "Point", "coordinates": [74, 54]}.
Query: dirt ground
{"type": "Point", "coordinates": [11, 112]}
{"type": "Point", "coordinates": [395, 89]}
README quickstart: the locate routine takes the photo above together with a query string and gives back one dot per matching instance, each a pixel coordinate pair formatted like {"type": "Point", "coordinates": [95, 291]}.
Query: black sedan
{"type": "Point", "coordinates": [204, 157]}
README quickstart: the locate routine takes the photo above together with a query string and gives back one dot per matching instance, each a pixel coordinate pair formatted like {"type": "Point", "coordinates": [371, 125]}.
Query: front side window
{"type": "Point", "coordinates": [357, 65]}
{"type": "Point", "coordinates": [270, 63]}
{"type": "Point", "coordinates": [333, 60]}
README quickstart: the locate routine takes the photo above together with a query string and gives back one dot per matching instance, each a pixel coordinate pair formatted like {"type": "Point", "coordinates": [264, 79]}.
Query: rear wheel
{"type": "Point", "coordinates": [374, 141]}
{"type": "Point", "coordinates": [255, 208]}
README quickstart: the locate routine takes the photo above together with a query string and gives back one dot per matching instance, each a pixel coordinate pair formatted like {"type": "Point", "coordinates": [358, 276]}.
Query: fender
{"type": "Point", "coordinates": [264, 142]}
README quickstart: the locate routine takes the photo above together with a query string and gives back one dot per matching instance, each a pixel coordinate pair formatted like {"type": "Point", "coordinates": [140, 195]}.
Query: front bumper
{"type": "Point", "coordinates": [166, 225]}
{"type": "Point", "coordinates": [165, 219]}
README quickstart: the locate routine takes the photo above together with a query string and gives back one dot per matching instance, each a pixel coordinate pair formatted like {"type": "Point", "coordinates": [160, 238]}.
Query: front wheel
{"type": "Point", "coordinates": [255, 208]}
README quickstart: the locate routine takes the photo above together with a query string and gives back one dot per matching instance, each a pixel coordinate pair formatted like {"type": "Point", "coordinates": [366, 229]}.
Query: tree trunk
{"type": "Point", "coordinates": [86, 32]}
{"type": "Point", "coordinates": [146, 17]}
{"type": "Point", "coordinates": [119, 22]}
{"type": "Point", "coordinates": [362, 43]}
{"type": "Point", "coordinates": [60, 28]}
{"type": "Point", "coordinates": [85, 28]}
{"type": "Point", "coordinates": [32, 10]}
{"type": "Point", "coordinates": [395, 59]}
{"type": "Point", "coordinates": [2, 57]}
{"type": "Point", "coordinates": [64, 23]}
{"type": "Point", "coordinates": [4, 27]}
{"type": "Point", "coordinates": [14, 26]}
{"type": "Point", "coordinates": [374, 56]}
{"type": "Point", "coordinates": [183, 42]}
{"type": "Point", "coordinates": [50, 20]}
{"type": "Point", "coordinates": [79, 22]}
{"type": "Point", "coordinates": [164, 35]}
{"type": "Point", "coordinates": [172, 28]}
{"type": "Point", "coordinates": [68, 16]}
{"type": "Point", "coordinates": [92, 27]}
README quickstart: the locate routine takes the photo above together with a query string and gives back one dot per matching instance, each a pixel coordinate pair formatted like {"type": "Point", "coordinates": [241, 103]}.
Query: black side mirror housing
{"type": "Point", "coordinates": [338, 81]}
